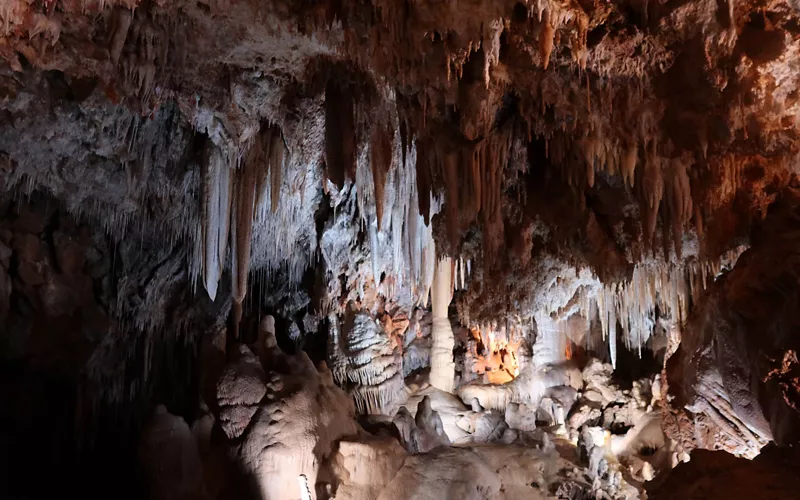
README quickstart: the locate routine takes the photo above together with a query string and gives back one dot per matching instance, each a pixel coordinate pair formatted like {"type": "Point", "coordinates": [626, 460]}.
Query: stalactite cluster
{"type": "Point", "coordinates": [633, 305]}
{"type": "Point", "coordinates": [236, 189]}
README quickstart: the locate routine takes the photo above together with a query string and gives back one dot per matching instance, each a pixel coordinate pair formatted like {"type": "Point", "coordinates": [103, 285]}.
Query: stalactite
{"type": "Point", "coordinates": [653, 188]}
{"type": "Point", "coordinates": [491, 49]}
{"type": "Point", "coordinates": [233, 197]}
{"type": "Point", "coordinates": [425, 158]}
{"type": "Point", "coordinates": [265, 155]}
{"type": "Point", "coordinates": [340, 134]}
{"type": "Point", "coordinates": [477, 191]}
{"type": "Point", "coordinates": [451, 179]}
{"type": "Point", "coordinates": [367, 361]}
{"type": "Point", "coordinates": [119, 24]}
{"type": "Point", "coordinates": [494, 158]}
{"type": "Point", "coordinates": [546, 35]}
{"type": "Point", "coordinates": [216, 216]}
{"type": "Point", "coordinates": [629, 165]}
{"type": "Point", "coordinates": [246, 184]}
{"type": "Point", "coordinates": [551, 338]}
{"type": "Point", "coordinates": [276, 159]}
{"type": "Point", "coordinates": [663, 289]}
{"type": "Point", "coordinates": [380, 161]}
{"type": "Point", "coordinates": [679, 202]}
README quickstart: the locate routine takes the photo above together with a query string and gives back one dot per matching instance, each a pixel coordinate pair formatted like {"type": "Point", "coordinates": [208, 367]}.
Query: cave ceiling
{"type": "Point", "coordinates": [528, 140]}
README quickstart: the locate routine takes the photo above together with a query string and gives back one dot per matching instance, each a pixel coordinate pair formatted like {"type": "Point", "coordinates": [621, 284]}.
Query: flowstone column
{"type": "Point", "coordinates": [442, 365]}
{"type": "Point", "coordinates": [551, 340]}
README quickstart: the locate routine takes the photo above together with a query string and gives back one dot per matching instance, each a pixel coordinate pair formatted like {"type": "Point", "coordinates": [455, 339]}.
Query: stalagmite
{"type": "Point", "coordinates": [169, 458]}
{"type": "Point", "coordinates": [158, 135]}
{"type": "Point", "coordinates": [366, 361]}
{"type": "Point", "coordinates": [442, 364]}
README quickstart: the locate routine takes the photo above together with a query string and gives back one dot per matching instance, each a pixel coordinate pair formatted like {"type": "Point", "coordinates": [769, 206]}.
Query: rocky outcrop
{"type": "Point", "coordinates": [366, 359]}
{"type": "Point", "coordinates": [530, 387]}
{"type": "Point", "coordinates": [282, 418]}
{"type": "Point", "coordinates": [718, 474]}
{"type": "Point", "coordinates": [169, 456]}
{"type": "Point", "coordinates": [381, 470]}
{"type": "Point", "coordinates": [731, 374]}
{"type": "Point", "coordinates": [422, 432]}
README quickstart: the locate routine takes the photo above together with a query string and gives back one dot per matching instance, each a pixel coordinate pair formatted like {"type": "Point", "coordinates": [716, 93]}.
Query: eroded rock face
{"type": "Point", "coordinates": [575, 144]}
{"type": "Point", "coordinates": [727, 371]}
{"type": "Point", "coordinates": [530, 387]}
{"type": "Point", "coordinates": [240, 390]}
{"type": "Point", "coordinates": [422, 432]}
{"type": "Point", "coordinates": [366, 359]}
{"type": "Point", "coordinates": [170, 458]}
{"type": "Point", "coordinates": [282, 418]}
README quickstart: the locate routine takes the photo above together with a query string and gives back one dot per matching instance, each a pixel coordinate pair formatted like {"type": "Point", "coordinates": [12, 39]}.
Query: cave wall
{"type": "Point", "coordinates": [734, 374]}
{"type": "Point", "coordinates": [79, 373]}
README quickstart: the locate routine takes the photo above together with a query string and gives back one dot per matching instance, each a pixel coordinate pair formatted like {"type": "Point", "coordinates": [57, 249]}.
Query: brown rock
{"type": "Point", "coordinates": [30, 273]}
{"type": "Point", "coordinates": [32, 217]}
{"type": "Point", "coordinates": [56, 296]}
{"type": "Point", "coordinates": [5, 294]}
{"type": "Point", "coordinates": [5, 255]}
{"type": "Point", "coordinates": [70, 254]}
{"type": "Point", "coordinates": [28, 247]}
{"type": "Point", "coordinates": [716, 474]}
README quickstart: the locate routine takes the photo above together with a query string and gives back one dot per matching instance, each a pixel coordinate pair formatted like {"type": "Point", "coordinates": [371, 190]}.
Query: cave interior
{"type": "Point", "coordinates": [400, 249]}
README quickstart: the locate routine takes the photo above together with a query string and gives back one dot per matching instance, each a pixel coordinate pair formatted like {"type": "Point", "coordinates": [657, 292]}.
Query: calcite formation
{"type": "Point", "coordinates": [395, 249]}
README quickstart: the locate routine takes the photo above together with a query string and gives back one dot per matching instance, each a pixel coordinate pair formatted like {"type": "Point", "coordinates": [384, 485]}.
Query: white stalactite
{"type": "Point", "coordinates": [666, 287]}
{"type": "Point", "coordinates": [216, 215]}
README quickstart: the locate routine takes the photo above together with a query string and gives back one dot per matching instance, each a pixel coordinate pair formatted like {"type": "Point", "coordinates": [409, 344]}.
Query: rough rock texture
{"type": "Point", "coordinates": [295, 427]}
{"type": "Point", "coordinates": [366, 359]}
{"type": "Point", "coordinates": [733, 372]}
{"type": "Point", "coordinates": [170, 458]}
{"type": "Point", "coordinates": [240, 390]}
{"type": "Point", "coordinates": [530, 387]}
{"type": "Point", "coordinates": [469, 473]}
{"type": "Point", "coordinates": [551, 131]}
{"type": "Point", "coordinates": [717, 474]}
{"type": "Point", "coordinates": [79, 377]}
